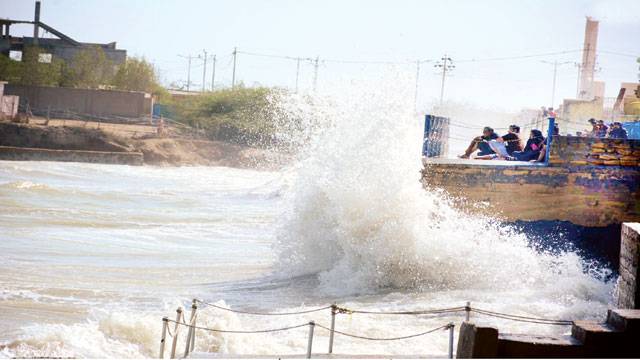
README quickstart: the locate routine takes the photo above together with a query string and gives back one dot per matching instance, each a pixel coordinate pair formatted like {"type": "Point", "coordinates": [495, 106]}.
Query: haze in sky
{"type": "Point", "coordinates": [386, 36]}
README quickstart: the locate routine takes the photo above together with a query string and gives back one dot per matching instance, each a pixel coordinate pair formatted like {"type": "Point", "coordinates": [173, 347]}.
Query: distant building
{"type": "Point", "coordinates": [587, 88]}
{"type": "Point", "coordinates": [64, 47]}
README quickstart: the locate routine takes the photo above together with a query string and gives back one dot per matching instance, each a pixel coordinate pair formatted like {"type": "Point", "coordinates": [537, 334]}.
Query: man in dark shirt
{"type": "Point", "coordinates": [481, 143]}
{"type": "Point", "coordinates": [617, 131]}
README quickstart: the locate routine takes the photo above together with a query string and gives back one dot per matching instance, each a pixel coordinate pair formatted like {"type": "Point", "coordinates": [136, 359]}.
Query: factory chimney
{"type": "Point", "coordinates": [588, 66]}
{"type": "Point", "coordinates": [36, 22]}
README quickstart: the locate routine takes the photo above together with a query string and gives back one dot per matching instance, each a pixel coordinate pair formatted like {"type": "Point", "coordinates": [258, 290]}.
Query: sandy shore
{"type": "Point", "coordinates": [173, 148]}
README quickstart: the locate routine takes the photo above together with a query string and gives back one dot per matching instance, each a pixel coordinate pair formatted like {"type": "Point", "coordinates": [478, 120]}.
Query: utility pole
{"type": "Point", "coordinates": [188, 57]}
{"type": "Point", "coordinates": [297, 73]}
{"type": "Point", "coordinates": [315, 73]}
{"type": "Point", "coordinates": [415, 100]}
{"type": "Point", "coordinates": [204, 71]}
{"type": "Point", "coordinates": [233, 77]}
{"type": "Point", "coordinates": [555, 77]}
{"type": "Point", "coordinates": [213, 73]}
{"type": "Point", "coordinates": [446, 65]}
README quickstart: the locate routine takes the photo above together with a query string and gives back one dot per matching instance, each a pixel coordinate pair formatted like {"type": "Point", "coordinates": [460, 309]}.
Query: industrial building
{"type": "Point", "coordinates": [64, 47]}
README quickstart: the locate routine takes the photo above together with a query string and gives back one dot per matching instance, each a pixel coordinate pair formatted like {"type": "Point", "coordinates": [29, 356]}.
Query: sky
{"type": "Point", "coordinates": [387, 36]}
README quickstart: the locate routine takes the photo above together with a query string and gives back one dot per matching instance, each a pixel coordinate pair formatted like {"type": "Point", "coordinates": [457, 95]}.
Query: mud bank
{"type": "Point", "coordinates": [73, 143]}
{"type": "Point", "coordinates": [98, 157]}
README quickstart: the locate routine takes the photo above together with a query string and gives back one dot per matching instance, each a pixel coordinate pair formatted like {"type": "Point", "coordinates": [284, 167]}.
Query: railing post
{"type": "Point", "coordinates": [190, 332]}
{"type": "Point", "coordinates": [312, 325]}
{"type": "Point", "coordinates": [550, 130]}
{"type": "Point", "coordinates": [175, 333]}
{"type": "Point", "coordinates": [467, 311]}
{"type": "Point", "coordinates": [451, 328]}
{"type": "Point", "coordinates": [163, 338]}
{"type": "Point", "coordinates": [194, 305]}
{"type": "Point", "coordinates": [427, 135]}
{"type": "Point", "coordinates": [334, 310]}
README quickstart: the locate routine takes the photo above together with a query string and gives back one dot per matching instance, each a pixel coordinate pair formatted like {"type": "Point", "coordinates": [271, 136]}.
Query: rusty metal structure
{"type": "Point", "coordinates": [63, 47]}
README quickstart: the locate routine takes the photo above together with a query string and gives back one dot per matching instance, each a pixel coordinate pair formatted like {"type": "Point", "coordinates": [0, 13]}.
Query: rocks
{"type": "Point", "coordinates": [613, 153]}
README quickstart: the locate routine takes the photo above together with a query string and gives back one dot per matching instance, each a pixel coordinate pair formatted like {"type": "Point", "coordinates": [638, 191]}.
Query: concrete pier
{"type": "Point", "coordinates": [591, 195]}
{"type": "Point", "coordinates": [101, 157]}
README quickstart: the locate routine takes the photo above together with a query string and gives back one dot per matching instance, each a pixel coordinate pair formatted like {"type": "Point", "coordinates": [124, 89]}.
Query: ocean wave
{"type": "Point", "coordinates": [359, 218]}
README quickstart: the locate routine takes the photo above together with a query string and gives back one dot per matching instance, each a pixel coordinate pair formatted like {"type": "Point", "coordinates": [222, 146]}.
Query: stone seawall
{"type": "Point", "coordinates": [101, 157]}
{"type": "Point", "coordinates": [628, 292]}
{"type": "Point", "coordinates": [593, 196]}
{"type": "Point", "coordinates": [571, 151]}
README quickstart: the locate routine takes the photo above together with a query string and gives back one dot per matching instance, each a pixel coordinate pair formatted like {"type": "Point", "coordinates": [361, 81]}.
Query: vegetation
{"type": "Point", "coordinates": [34, 69]}
{"type": "Point", "coordinates": [89, 68]}
{"type": "Point", "coordinates": [241, 115]}
{"type": "Point", "coordinates": [136, 74]}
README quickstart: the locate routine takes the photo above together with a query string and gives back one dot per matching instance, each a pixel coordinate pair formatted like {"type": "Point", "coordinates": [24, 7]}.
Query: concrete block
{"type": "Point", "coordinates": [598, 339]}
{"type": "Point", "coordinates": [477, 342]}
{"type": "Point", "coordinates": [533, 346]}
{"type": "Point", "coordinates": [627, 320]}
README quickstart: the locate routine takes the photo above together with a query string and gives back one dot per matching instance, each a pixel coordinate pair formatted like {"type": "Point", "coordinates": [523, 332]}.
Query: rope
{"type": "Point", "coordinates": [240, 331]}
{"type": "Point", "coordinates": [264, 313]}
{"type": "Point", "coordinates": [415, 312]}
{"type": "Point", "coordinates": [343, 310]}
{"type": "Point", "coordinates": [530, 319]}
{"type": "Point", "coordinates": [385, 339]}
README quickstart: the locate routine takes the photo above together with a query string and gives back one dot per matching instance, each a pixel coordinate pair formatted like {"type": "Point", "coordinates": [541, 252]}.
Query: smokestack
{"type": "Point", "coordinates": [36, 22]}
{"type": "Point", "coordinates": [588, 65]}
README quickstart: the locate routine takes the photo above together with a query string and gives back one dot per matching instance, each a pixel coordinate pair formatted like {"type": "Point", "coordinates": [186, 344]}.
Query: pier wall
{"type": "Point", "coordinates": [577, 151]}
{"type": "Point", "coordinates": [628, 291]}
{"type": "Point", "coordinates": [102, 157]}
{"type": "Point", "coordinates": [586, 195]}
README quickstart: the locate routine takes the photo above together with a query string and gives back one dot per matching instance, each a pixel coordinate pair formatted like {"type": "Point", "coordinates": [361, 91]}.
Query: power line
{"type": "Point", "coordinates": [618, 54]}
{"type": "Point", "coordinates": [520, 56]}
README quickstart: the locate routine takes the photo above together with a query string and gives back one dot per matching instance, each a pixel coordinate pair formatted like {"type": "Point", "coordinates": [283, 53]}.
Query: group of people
{"type": "Point", "coordinates": [613, 131]}
{"type": "Point", "coordinates": [490, 146]}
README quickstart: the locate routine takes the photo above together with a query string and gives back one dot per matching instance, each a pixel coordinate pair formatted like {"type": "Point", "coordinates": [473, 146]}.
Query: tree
{"type": "Point", "coordinates": [10, 70]}
{"type": "Point", "coordinates": [136, 74]}
{"type": "Point", "coordinates": [39, 68]}
{"type": "Point", "coordinates": [89, 68]}
{"type": "Point", "coordinates": [35, 68]}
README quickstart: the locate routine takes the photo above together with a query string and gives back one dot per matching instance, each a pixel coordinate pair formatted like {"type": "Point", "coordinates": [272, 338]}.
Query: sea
{"type": "Point", "coordinates": [94, 256]}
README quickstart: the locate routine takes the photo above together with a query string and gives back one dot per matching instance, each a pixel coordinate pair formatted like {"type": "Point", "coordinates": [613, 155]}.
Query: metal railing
{"type": "Point", "coordinates": [180, 322]}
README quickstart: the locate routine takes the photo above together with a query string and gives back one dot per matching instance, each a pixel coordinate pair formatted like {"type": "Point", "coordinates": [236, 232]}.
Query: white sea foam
{"type": "Point", "coordinates": [360, 219]}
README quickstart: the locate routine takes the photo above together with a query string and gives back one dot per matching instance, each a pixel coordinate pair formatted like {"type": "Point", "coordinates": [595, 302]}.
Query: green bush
{"type": "Point", "coordinates": [241, 115]}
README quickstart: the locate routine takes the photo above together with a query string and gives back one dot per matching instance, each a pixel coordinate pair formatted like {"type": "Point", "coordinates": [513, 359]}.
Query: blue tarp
{"type": "Point", "coordinates": [633, 129]}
